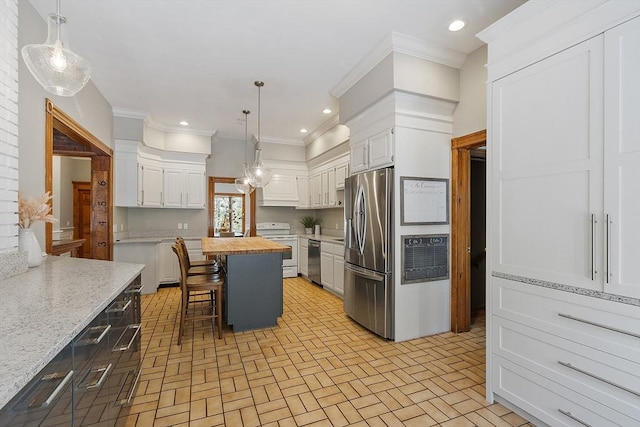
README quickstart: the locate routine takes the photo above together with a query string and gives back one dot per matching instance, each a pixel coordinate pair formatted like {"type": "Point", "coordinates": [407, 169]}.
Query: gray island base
{"type": "Point", "coordinates": [253, 290]}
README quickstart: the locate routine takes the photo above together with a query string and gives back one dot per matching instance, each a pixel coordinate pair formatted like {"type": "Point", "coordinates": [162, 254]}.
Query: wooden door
{"type": "Point", "coordinates": [461, 228]}
{"type": "Point", "coordinates": [82, 216]}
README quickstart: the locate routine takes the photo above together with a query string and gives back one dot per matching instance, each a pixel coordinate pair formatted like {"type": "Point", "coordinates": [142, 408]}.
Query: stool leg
{"type": "Point", "coordinates": [219, 311]}
{"type": "Point", "coordinates": [183, 314]}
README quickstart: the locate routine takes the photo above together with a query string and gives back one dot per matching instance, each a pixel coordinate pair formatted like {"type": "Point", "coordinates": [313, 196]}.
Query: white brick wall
{"type": "Point", "coordinates": [8, 126]}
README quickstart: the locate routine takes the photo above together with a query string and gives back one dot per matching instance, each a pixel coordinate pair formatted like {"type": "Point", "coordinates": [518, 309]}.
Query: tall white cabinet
{"type": "Point", "coordinates": [563, 339]}
{"type": "Point", "coordinates": [622, 158]}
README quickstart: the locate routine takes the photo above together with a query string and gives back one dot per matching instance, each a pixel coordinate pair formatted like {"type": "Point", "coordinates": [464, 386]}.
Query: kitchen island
{"type": "Point", "coordinates": [46, 307]}
{"type": "Point", "coordinates": [253, 286]}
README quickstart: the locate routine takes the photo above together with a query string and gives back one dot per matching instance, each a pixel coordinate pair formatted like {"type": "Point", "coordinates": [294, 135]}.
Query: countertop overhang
{"type": "Point", "coordinates": [46, 307]}
{"type": "Point", "coordinates": [240, 245]}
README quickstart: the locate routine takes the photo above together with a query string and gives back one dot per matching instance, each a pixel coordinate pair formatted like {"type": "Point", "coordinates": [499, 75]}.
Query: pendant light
{"type": "Point", "coordinates": [242, 184]}
{"type": "Point", "coordinates": [56, 67]}
{"type": "Point", "coordinates": [259, 175]}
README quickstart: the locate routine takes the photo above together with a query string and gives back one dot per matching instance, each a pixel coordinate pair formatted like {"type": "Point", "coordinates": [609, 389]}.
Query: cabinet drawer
{"type": "Point", "coordinates": [605, 378]}
{"type": "Point", "coordinates": [550, 402]}
{"type": "Point", "coordinates": [604, 325]}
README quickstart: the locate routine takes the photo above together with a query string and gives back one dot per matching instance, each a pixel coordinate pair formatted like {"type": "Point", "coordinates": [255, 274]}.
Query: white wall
{"type": "Point", "coordinates": [88, 107]}
{"type": "Point", "coordinates": [9, 152]}
{"type": "Point", "coordinates": [471, 113]}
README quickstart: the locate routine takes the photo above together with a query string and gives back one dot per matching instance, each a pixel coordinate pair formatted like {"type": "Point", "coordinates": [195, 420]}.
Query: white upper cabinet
{"type": "Point", "coordinates": [622, 159]}
{"type": "Point", "coordinates": [303, 192]}
{"type": "Point", "coordinates": [152, 185]}
{"type": "Point", "coordinates": [342, 171]}
{"type": "Point", "coordinates": [196, 188]}
{"type": "Point", "coordinates": [184, 188]}
{"type": "Point", "coordinates": [173, 188]}
{"type": "Point", "coordinates": [374, 152]}
{"type": "Point", "coordinates": [381, 149]}
{"type": "Point", "coordinates": [325, 182]}
{"type": "Point", "coordinates": [359, 155]}
{"type": "Point", "coordinates": [152, 178]}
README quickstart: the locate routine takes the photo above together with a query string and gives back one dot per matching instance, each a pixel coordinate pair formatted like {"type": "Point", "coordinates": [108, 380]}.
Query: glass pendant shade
{"type": "Point", "coordinates": [242, 184]}
{"type": "Point", "coordinates": [58, 69]}
{"type": "Point", "coordinates": [259, 175]}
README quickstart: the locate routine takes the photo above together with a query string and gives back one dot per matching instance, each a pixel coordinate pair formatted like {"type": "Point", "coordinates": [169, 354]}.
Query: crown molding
{"type": "Point", "coordinates": [149, 121]}
{"type": "Point", "coordinates": [323, 128]}
{"type": "Point", "coordinates": [400, 43]}
{"type": "Point", "coordinates": [129, 113]}
{"type": "Point", "coordinates": [269, 140]}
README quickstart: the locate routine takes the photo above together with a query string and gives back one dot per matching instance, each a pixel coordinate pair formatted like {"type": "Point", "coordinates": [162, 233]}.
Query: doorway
{"type": "Point", "coordinates": [65, 137]}
{"type": "Point", "coordinates": [224, 188]}
{"type": "Point", "coordinates": [461, 243]}
{"type": "Point", "coordinates": [82, 216]}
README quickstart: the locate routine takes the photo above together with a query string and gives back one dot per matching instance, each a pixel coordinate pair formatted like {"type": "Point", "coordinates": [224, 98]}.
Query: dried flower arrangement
{"type": "Point", "coordinates": [32, 210]}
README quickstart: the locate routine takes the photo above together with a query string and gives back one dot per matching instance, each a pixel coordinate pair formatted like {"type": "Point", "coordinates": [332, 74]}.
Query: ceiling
{"type": "Point", "coordinates": [197, 60]}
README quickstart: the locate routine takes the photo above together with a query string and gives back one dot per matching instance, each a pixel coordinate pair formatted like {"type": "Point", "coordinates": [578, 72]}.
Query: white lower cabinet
{"type": "Point", "coordinates": [561, 356]}
{"type": "Point", "coordinates": [332, 267]}
{"type": "Point", "coordinates": [303, 256]}
{"type": "Point", "coordinates": [326, 268]}
{"type": "Point", "coordinates": [168, 267]}
{"type": "Point", "coordinates": [338, 274]}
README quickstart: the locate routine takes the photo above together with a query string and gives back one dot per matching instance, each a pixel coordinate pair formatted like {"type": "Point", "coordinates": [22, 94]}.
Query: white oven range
{"type": "Point", "coordinates": [279, 232]}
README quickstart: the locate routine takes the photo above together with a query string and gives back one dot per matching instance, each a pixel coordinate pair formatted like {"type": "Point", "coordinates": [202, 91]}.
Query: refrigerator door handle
{"type": "Point", "coordinates": [360, 215]}
{"type": "Point", "coordinates": [364, 272]}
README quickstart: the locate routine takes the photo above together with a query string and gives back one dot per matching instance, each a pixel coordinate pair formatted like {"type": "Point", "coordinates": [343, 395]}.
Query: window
{"type": "Point", "coordinates": [229, 213]}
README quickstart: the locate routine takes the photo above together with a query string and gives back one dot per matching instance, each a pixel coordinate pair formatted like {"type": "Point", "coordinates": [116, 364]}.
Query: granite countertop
{"type": "Point", "coordinates": [240, 245]}
{"type": "Point", "coordinates": [46, 307]}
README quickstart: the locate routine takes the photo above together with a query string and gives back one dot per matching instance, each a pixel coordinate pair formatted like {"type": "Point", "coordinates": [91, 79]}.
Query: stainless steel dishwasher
{"type": "Point", "coordinates": [314, 261]}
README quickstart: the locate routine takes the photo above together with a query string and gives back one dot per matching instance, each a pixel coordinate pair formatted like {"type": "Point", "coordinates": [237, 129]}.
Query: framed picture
{"type": "Point", "coordinates": [424, 201]}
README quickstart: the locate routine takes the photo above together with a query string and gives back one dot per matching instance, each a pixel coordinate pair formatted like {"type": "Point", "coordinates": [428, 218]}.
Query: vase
{"type": "Point", "coordinates": [28, 242]}
{"type": "Point", "coordinates": [308, 230]}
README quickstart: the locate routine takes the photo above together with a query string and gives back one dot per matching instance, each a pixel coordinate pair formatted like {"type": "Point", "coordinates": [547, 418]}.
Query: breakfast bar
{"type": "Point", "coordinates": [253, 286]}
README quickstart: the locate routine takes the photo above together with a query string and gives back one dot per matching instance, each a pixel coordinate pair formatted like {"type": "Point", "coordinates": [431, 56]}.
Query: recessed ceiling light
{"type": "Point", "coordinates": [456, 25]}
{"type": "Point", "coordinates": [184, 123]}
{"type": "Point", "coordinates": [303, 130]}
{"type": "Point", "coordinates": [327, 111]}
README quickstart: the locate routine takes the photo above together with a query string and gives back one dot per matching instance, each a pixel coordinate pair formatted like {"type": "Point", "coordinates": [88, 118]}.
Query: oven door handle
{"type": "Point", "coordinates": [363, 272]}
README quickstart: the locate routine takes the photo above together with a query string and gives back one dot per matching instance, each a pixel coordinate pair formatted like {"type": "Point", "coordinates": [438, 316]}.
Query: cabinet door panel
{"type": "Point", "coordinates": [326, 269]}
{"type": "Point", "coordinates": [381, 149]}
{"type": "Point", "coordinates": [173, 188]}
{"type": "Point", "coordinates": [342, 172]}
{"type": "Point", "coordinates": [622, 158]}
{"type": "Point", "coordinates": [303, 257]}
{"type": "Point", "coordinates": [195, 189]}
{"type": "Point", "coordinates": [548, 173]}
{"type": "Point", "coordinates": [358, 156]}
{"type": "Point", "coordinates": [152, 183]}
{"type": "Point", "coordinates": [338, 274]}
{"type": "Point", "coordinates": [304, 200]}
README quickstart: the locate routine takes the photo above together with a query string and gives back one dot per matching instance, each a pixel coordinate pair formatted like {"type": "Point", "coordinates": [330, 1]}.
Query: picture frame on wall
{"type": "Point", "coordinates": [424, 201]}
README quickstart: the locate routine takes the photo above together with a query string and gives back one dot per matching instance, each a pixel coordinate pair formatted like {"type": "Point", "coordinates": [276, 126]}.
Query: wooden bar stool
{"type": "Point", "coordinates": [193, 288]}
{"type": "Point", "coordinates": [196, 268]}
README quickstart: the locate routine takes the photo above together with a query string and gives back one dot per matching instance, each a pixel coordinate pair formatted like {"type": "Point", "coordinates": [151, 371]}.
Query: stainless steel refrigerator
{"type": "Point", "coordinates": [368, 279]}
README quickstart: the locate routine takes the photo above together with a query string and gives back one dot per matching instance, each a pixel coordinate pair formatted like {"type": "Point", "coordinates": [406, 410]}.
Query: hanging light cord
{"type": "Point", "coordinates": [246, 139]}
{"type": "Point", "coordinates": [259, 84]}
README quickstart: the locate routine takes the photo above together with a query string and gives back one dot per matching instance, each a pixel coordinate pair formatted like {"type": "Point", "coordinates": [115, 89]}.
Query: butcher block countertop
{"type": "Point", "coordinates": [240, 246]}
